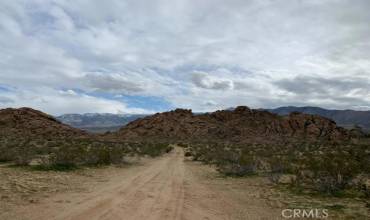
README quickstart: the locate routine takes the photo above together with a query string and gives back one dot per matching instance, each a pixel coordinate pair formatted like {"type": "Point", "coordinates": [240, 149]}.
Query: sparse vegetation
{"type": "Point", "coordinates": [323, 167]}
{"type": "Point", "coordinates": [66, 154]}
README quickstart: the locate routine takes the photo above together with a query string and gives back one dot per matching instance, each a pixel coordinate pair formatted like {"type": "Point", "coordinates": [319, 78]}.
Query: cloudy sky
{"type": "Point", "coordinates": [136, 56]}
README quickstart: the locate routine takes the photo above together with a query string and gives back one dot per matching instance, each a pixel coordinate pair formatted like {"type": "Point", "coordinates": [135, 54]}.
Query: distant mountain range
{"type": "Point", "coordinates": [344, 118]}
{"type": "Point", "coordinates": [100, 123]}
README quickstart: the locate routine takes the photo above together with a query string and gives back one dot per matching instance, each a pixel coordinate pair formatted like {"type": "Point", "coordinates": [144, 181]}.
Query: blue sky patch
{"type": "Point", "coordinates": [147, 102]}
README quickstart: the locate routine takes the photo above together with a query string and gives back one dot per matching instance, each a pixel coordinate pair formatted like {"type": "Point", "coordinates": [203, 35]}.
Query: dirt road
{"type": "Point", "coordinates": [166, 188]}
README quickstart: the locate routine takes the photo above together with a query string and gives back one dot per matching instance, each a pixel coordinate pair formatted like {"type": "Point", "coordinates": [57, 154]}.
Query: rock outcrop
{"type": "Point", "coordinates": [239, 125]}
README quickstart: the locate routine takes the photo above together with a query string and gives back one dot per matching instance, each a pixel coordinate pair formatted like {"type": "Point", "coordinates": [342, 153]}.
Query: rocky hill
{"type": "Point", "coordinates": [103, 122]}
{"type": "Point", "coordinates": [28, 136]}
{"type": "Point", "coordinates": [239, 125]}
{"type": "Point", "coordinates": [344, 118]}
{"type": "Point", "coordinates": [33, 124]}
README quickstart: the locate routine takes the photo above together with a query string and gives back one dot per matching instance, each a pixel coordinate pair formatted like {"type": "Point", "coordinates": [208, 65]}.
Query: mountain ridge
{"type": "Point", "coordinates": [98, 122]}
{"type": "Point", "coordinates": [240, 125]}
{"type": "Point", "coordinates": [346, 118]}
{"type": "Point", "coordinates": [113, 122]}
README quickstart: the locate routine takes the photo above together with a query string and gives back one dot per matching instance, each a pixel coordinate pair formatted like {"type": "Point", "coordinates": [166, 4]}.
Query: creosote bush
{"type": "Point", "coordinates": [323, 167]}
{"type": "Point", "coordinates": [59, 154]}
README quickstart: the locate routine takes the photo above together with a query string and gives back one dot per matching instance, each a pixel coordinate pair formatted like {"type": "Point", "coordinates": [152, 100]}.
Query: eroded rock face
{"type": "Point", "coordinates": [240, 125]}
{"type": "Point", "coordinates": [30, 123]}
{"type": "Point", "coordinates": [314, 126]}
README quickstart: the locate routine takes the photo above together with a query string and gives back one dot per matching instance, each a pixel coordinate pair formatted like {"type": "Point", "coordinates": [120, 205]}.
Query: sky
{"type": "Point", "coordinates": [135, 56]}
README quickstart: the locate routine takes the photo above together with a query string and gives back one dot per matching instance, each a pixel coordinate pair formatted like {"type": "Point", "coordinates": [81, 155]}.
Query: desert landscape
{"type": "Point", "coordinates": [184, 109]}
{"type": "Point", "coordinates": [173, 166]}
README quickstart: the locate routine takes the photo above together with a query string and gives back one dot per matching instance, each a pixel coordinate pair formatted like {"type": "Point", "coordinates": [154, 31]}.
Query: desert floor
{"type": "Point", "coordinates": [168, 187]}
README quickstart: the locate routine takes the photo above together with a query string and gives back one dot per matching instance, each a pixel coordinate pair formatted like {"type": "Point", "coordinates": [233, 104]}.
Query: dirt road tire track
{"type": "Point", "coordinates": [167, 188]}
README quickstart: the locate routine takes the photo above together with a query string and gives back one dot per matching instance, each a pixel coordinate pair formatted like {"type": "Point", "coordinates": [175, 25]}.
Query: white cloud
{"type": "Point", "coordinates": [69, 92]}
{"type": "Point", "coordinates": [185, 52]}
{"type": "Point", "coordinates": [61, 102]}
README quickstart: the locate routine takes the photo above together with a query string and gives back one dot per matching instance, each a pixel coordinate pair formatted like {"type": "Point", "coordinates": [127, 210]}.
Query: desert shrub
{"type": "Point", "coordinates": [67, 155]}
{"type": "Point", "coordinates": [74, 152]}
{"type": "Point", "coordinates": [327, 168]}
{"type": "Point", "coordinates": [240, 167]}
{"type": "Point", "coordinates": [104, 155]}
{"type": "Point", "coordinates": [98, 155]}
{"type": "Point", "coordinates": [152, 149]}
{"type": "Point", "coordinates": [229, 160]}
{"type": "Point", "coordinates": [281, 165]}
{"type": "Point", "coordinates": [83, 152]}
{"type": "Point", "coordinates": [205, 153]}
{"type": "Point", "coordinates": [6, 154]}
{"type": "Point", "coordinates": [54, 167]}
{"type": "Point", "coordinates": [333, 172]}
{"type": "Point", "coordinates": [13, 150]}
{"type": "Point", "coordinates": [24, 153]}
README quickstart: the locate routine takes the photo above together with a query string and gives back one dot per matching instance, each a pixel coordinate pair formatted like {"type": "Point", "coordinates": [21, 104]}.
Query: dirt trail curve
{"type": "Point", "coordinates": [167, 188]}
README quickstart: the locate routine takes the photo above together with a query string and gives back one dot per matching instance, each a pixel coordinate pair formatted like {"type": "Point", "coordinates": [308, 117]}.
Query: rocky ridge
{"type": "Point", "coordinates": [239, 125]}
